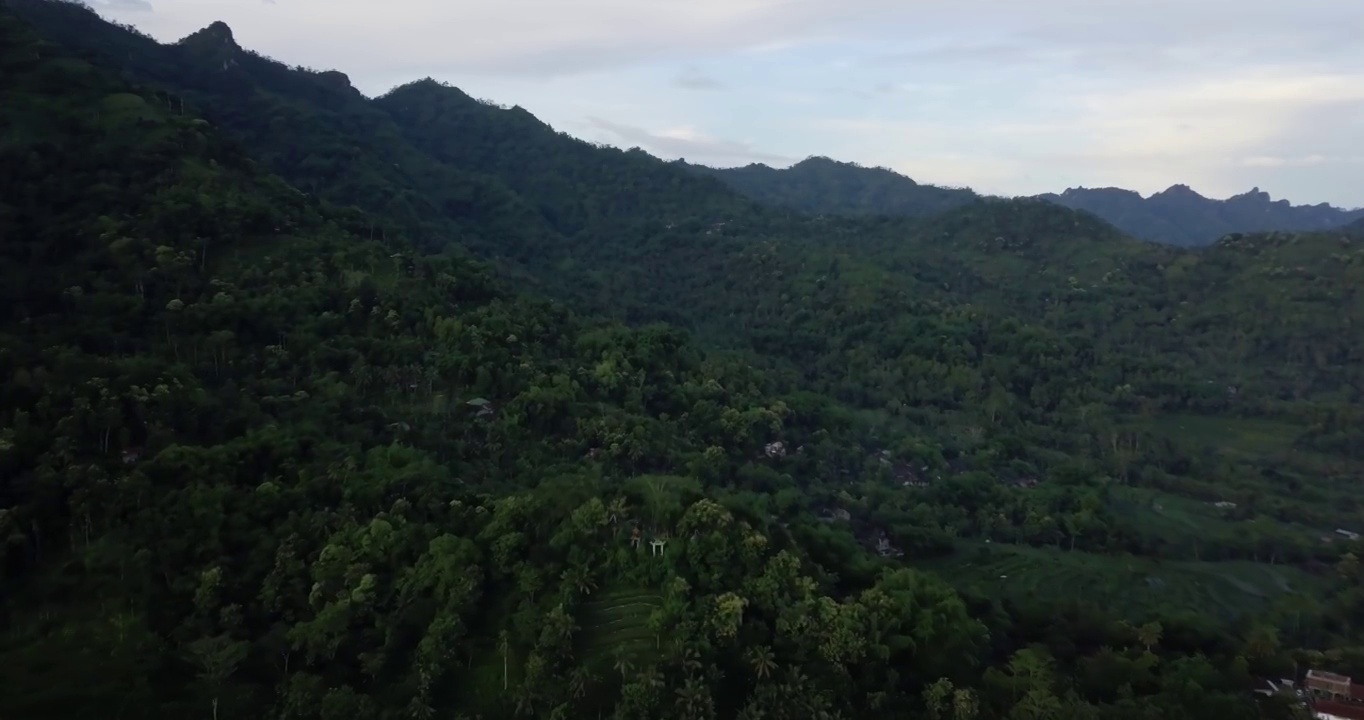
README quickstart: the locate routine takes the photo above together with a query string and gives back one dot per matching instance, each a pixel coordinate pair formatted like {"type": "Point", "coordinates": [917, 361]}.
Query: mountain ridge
{"type": "Point", "coordinates": [1177, 215]}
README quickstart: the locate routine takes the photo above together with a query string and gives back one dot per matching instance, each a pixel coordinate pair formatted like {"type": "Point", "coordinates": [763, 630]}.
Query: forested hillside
{"type": "Point", "coordinates": [269, 455]}
{"type": "Point", "coordinates": [1177, 216]}
{"type": "Point", "coordinates": [821, 186]}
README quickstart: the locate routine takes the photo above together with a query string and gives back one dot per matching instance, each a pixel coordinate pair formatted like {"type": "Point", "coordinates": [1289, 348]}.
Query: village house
{"type": "Point", "coordinates": [1333, 695]}
{"type": "Point", "coordinates": [836, 515]}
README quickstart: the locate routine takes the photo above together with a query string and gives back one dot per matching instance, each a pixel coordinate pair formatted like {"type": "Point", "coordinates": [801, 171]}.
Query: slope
{"type": "Point", "coordinates": [577, 186]}
{"type": "Point", "coordinates": [821, 186]}
{"type": "Point", "coordinates": [625, 234]}
{"type": "Point", "coordinates": [221, 394]}
{"type": "Point", "coordinates": [257, 464]}
{"type": "Point", "coordinates": [313, 129]}
{"type": "Point", "coordinates": [610, 231]}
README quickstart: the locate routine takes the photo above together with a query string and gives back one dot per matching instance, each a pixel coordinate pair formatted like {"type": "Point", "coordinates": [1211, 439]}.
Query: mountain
{"type": "Point", "coordinates": [1176, 216]}
{"type": "Point", "coordinates": [613, 232]}
{"type": "Point", "coordinates": [1180, 216]}
{"type": "Point", "coordinates": [257, 463]}
{"type": "Point", "coordinates": [821, 186]}
{"type": "Point", "coordinates": [319, 406]}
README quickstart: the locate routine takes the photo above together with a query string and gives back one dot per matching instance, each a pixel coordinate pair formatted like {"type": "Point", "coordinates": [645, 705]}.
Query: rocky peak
{"type": "Point", "coordinates": [336, 79]}
{"type": "Point", "coordinates": [214, 38]}
{"type": "Point", "coordinates": [214, 44]}
{"type": "Point", "coordinates": [1179, 191]}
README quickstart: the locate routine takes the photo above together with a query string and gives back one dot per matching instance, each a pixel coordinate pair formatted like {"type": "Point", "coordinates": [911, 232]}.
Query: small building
{"type": "Point", "coordinates": [483, 405]}
{"type": "Point", "coordinates": [885, 548]}
{"type": "Point", "coordinates": [836, 515]}
{"type": "Point", "coordinates": [1330, 684]}
{"type": "Point", "coordinates": [1348, 535]}
{"type": "Point", "coordinates": [1225, 505]}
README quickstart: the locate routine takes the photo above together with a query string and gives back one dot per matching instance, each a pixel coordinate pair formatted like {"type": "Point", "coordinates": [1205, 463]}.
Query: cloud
{"type": "Point", "coordinates": [527, 37]}
{"type": "Point", "coordinates": [693, 79]}
{"type": "Point", "coordinates": [687, 142]}
{"type": "Point", "coordinates": [116, 6]}
{"type": "Point", "coordinates": [1304, 161]}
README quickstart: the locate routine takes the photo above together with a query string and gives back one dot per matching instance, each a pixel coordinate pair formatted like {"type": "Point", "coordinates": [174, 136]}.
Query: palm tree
{"type": "Point", "coordinates": [525, 699]}
{"type": "Point", "coordinates": [692, 699]}
{"type": "Point", "coordinates": [936, 697]}
{"type": "Point", "coordinates": [688, 657]}
{"type": "Point", "coordinates": [617, 509]}
{"type": "Point", "coordinates": [580, 578]}
{"type": "Point", "coordinates": [965, 706]}
{"type": "Point", "coordinates": [650, 678]}
{"type": "Point", "coordinates": [1149, 635]}
{"type": "Point", "coordinates": [1262, 642]}
{"type": "Point", "coordinates": [579, 680]}
{"type": "Point", "coordinates": [563, 625]}
{"type": "Point", "coordinates": [762, 660]}
{"type": "Point", "coordinates": [504, 644]}
{"type": "Point", "coordinates": [622, 664]}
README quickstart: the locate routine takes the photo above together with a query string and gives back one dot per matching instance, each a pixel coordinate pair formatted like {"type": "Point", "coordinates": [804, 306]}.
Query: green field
{"type": "Point", "coordinates": [1243, 438]}
{"type": "Point", "coordinates": [618, 618]}
{"type": "Point", "coordinates": [1129, 585]}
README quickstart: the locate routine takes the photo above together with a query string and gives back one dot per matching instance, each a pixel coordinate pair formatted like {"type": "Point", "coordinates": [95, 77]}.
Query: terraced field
{"type": "Point", "coordinates": [618, 618]}
{"type": "Point", "coordinates": [1130, 585]}
{"type": "Point", "coordinates": [1240, 437]}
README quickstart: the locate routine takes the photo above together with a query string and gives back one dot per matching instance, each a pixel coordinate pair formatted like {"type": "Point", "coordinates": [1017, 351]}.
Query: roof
{"type": "Point", "coordinates": [1328, 676]}
{"type": "Point", "coordinates": [1329, 709]}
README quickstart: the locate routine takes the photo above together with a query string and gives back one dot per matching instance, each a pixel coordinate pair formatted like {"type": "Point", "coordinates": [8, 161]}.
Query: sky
{"type": "Point", "coordinates": [1003, 96]}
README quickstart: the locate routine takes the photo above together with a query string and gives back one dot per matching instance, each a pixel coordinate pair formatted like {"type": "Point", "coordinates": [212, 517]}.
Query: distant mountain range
{"type": "Point", "coordinates": [1180, 216]}
{"type": "Point", "coordinates": [1177, 216]}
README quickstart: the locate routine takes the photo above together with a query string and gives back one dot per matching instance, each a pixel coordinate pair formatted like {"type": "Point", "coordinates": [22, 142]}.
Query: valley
{"type": "Point", "coordinates": [327, 406]}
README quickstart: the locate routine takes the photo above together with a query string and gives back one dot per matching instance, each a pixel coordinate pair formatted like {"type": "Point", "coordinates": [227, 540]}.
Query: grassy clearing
{"type": "Point", "coordinates": [1243, 437]}
{"type": "Point", "coordinates": [1169, 515]}
{"type": "Point", "coordinates": [1130, 585]}
{"type": "Point", "coordinates": [618, 618]}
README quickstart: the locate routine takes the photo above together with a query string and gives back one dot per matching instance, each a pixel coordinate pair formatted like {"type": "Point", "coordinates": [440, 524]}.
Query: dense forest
{"type": "Point", "coordinates": [821, 186]}
{"type": "Point", "coordinates": [1177, 216]}
{"type": "Point", "coordinates": [321, 406]}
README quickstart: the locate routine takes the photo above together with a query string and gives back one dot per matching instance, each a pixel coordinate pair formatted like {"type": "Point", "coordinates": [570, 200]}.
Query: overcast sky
{"type": "Point", "coordinates": [1005, 96]}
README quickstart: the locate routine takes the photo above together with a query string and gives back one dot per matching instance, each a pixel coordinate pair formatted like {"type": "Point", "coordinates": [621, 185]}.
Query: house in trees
{"type": "Point", "coordinates": [1347, 534]}
{"type": "Point", "coordinates": [1320, 695]}
{"type": "Point", "coordinates": [483, 407]}
{"type": "Point", "coordinates": [885, 548]}
{"type": "Point", "coordinates": [901, 472]}
{"type": "Point", "coordinates": [1329, 684]}
{"type": "Point", "coordinates": [1333, 695]}
{"type": "Point", "coordinates": [836, 515]}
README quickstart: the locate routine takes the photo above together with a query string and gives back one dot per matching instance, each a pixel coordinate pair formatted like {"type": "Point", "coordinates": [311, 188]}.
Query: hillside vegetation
{"type": "Point", "coordinates": [323, 406]}
{"type": "Point", "coordinates": [821, 186]}
{"type": "Point", "coordinates": [1177, 216]}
